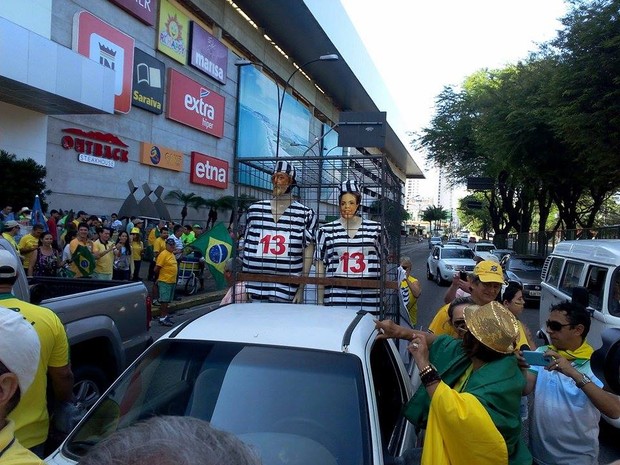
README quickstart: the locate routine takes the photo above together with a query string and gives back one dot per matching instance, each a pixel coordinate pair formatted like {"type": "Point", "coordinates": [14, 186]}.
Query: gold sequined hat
{"type": "Point", "coordinates": [494, 326]}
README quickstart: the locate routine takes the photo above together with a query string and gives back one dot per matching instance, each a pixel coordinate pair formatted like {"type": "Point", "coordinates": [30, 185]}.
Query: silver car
{"type": "Point", "coordinates": [446, 260]}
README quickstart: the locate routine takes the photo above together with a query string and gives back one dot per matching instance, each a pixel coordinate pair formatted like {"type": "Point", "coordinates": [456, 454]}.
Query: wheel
{"type": "Point", "coordinates": [191, 285]}
{"type": "Point", "coordinates": [89, 383]}
{"type": "Point", "coordinates": [438, 279]}
{"type": "Point", "coordinates": [429, 275]}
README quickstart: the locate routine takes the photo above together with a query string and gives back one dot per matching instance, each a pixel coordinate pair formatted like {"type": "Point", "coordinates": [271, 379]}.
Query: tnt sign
{"type": "Point", "coordinates": [209, 171]}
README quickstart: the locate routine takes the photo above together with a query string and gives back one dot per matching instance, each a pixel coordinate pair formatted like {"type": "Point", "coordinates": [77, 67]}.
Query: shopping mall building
{"type": "Point", "coordinates": [136, 98]}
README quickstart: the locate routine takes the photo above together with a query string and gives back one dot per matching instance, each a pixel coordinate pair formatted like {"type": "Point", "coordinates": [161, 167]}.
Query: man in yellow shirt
{"type": "Point", "coordinates": [102, 249]}
{"type": "Point", "coordinates": [166, 269]}
{"type": "Point", "coordinates": [9, 231]}
{"type": "Point", "coordinates": [31, 416]}
{"type": "Point", "coordinates": [29, 243]}
{"type": "Point", "coordinates": [80, 239]}
{"type": "Point", "coordinates": [19, 357]}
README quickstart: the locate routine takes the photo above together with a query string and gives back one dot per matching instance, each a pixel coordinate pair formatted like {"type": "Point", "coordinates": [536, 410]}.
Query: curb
{"type": "Point", "coordinates": [191, 301]}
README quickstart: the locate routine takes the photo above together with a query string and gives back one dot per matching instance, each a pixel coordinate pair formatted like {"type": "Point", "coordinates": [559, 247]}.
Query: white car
{"type": "Point", "coordinates": [485, 250]}
{"type": "Point", "coordinates": [444, 261]}
{"type": "Point", "coordinates": [302, 384]}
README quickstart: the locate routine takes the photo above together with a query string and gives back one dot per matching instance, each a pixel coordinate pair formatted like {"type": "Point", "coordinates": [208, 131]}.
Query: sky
{"type": "Point", "coordinates": [420, 46]}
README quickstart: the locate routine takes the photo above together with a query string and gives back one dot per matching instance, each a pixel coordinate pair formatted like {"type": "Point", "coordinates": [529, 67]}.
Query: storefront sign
{"type": "Point", "coordinates": [144, 10]}
{"type": "Point", "coordinates": [162, 157]}
{"type": "Point", "coordinates": [192, 104]}
{"type": "Point", "coordinates": [209, 171]}
{"type": "Point", "coordinates": [95, 143]}
{"type": "Point", "coordinates": [173, 32]}
{"type": "Point", "coordinates": [208, 54]}
{"type": "Point", "coordinates": [92, 160]}
{"type": "Point", "coordinates": [111, 48]}
{"type": "Point", "coordinates": [148, 82]}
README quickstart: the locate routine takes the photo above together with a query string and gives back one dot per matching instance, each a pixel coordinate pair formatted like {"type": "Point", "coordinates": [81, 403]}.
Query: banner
{"type": "Point", "coordinates": [216, 246]}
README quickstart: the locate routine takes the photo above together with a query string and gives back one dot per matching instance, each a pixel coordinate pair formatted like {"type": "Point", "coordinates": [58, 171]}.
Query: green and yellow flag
{"type": "Point", "coordinates": [216, 247]}
{"type": "Point", "coordinates": [84, 260]}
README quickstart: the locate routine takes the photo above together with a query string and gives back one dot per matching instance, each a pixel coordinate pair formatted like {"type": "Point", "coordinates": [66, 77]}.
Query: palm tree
{"type": "Point", "coordinates": [434, 214]}
{"type": "Point", "coordinates": [191, 200]}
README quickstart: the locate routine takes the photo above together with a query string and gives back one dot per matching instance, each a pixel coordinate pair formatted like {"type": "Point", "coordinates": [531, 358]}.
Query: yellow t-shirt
{"type": "Point", "coordinates": [159, 246]}
{"type": "Point", "coordinates": [15, 454]}
{"type": "Point", "coordinates": [522, 340]}
{"type": "Point", "coordinates": [412, 306]}
{"type": "Point", "coordinates": [441, 323]}
{"type": "Point", "coordinates": [168, 263]}
{"type": "Point", "coordinates": [136, 250]}
{"type": "Point", "coordinates": [11, 240]}
{"type": "Point", "coordinates": [25, 243]}
{"type": "Point", "coordinates": [104, 263]}
{"type": "Point", "coordinates": [30, 415]}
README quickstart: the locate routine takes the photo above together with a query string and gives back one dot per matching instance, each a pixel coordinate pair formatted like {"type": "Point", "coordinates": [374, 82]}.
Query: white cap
{"type": "Point", "coordinates": [8, 264]}
{"type": "Point", "coordinates": [19, 347]}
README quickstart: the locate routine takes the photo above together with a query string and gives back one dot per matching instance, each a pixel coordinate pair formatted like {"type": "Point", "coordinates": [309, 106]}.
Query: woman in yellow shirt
{"type": "Point", "coordinates": [137, 250]}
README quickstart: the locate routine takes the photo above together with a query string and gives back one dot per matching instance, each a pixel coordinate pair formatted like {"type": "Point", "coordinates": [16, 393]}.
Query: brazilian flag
{"type": "Point", "coordinates": [216, 247]}
{"type": "Point", "coordinates": [84, 260]}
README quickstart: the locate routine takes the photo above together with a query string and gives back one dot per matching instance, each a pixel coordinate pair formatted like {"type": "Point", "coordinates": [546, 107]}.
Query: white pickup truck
{"type": "Point", "coordinates": [302, 384]}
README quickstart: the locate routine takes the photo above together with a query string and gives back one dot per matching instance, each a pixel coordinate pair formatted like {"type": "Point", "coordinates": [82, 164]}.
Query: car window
{"type": "Point", "coordinates": [614, 294]}
{"type": "Point", "coordinates": [555, 268]}
{"type": "Point", "coordinates": [458, 253]}
{"type": "Point", "coordinates": [525, 264]}
{"type": "Point", "coordinates": [595, 284]}
{"type": "Point", "coordinates": [270, 397]}
{"type": "Point", "coordinates": [570, 278]}
{"type": "Point", "coordinates": [391, 395]}
{"type": "Point", "coordinates": [484, 247]}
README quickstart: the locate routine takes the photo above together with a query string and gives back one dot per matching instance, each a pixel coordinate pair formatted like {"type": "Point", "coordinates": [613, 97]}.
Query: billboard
{"type": "Point", "coordinates": [208, 54]}
{"type": "Point", "coordinates": [173, 32]}
{"type": "Point", "coordinates": [148, 82]}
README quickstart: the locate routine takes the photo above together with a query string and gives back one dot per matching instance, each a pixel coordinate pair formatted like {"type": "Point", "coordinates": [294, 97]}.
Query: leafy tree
{"type": "Point", "coordinates": [188, 200]}
{"type": "Point", "coordinates": [27, 179]}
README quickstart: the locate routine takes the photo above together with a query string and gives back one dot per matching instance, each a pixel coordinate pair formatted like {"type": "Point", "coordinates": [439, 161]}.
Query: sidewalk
{"type": "Point", "coordinates": [209, 294]}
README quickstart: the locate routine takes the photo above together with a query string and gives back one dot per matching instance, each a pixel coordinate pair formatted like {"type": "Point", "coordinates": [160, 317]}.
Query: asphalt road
{"type": "Point", "coordinates": [430, 300]}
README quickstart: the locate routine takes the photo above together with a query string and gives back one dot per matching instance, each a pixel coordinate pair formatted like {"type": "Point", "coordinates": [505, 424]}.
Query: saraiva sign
{"type": "Point", "coordinates": [209, 171]}
{"type": "Point", "coordinates": [192, 104]}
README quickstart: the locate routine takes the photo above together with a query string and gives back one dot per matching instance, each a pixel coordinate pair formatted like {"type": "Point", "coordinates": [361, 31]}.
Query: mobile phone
{"type": "Point", "coordinates": [535, 358]}
{"type": "Point", "coordinates": [463, 275]}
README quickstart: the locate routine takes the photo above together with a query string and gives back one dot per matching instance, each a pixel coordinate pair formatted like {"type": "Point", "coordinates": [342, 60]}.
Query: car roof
{"type": "Point", "coordinates": [599, 250]}
{"type": "Point", "coordinates": [304, 326]}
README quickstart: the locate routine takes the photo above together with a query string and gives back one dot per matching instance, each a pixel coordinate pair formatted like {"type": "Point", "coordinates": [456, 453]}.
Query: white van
{"type": "Point", "coordinates": [592, 264]}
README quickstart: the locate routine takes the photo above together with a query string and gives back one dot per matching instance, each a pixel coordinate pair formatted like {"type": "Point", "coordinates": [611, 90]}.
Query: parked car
{"type": "Point", "coordinates": [333, 395]}
{"type": "Point", "coordinates": [444, 261]}
{"type": "Point", "coordinates": [526, 270]}
{"type": "Point", "coordinates": [107, 324]}
{"type": "Point", "coordinates": [484, 250]}
{"type": "Point", "coordinates": [433, 241]}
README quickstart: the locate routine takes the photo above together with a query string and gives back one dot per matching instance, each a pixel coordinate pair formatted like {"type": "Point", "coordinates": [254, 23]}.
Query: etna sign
{"type": "Point", "coordinates": [209, 171]}
{"type": "Point", "coordinates": [148, 82]}
{"type": "Point", "coordinates": [208, 54]}
{"type": "Point", "coordinates": [192, 104]}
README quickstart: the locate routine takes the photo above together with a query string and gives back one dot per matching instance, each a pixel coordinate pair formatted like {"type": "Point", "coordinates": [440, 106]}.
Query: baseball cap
{"type": "Point", "coordinates": [170, 241]}
{"type": "Point", "coordinates": [24, 209]}
{"type": "Point", "coordinates": [493, 325]}
{"type": "Point", "coordinates": [489, 272]}
{"type": "Point", "coordinates": [138, 221]}
{"type": "Point", "coordinates": [8, 225]}
{"type": "Point", "coordinates": [135, 230]}
{"type": "Point", "coordinates": [19, 347]}
{"type": "Point", "coordinates": [197, 226]}
{"type": "Point", "coordinates": [8, 264]}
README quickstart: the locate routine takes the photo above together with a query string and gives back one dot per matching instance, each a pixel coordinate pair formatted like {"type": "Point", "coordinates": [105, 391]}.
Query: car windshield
{"type": "Point", "coordinates": [306, 404]}
{"type": "Point", "coordinates": [485, 247]}
{"type": "Point", "coordinates": [526, 264]}
{"type": "Point", "coordinates": [457, 253]}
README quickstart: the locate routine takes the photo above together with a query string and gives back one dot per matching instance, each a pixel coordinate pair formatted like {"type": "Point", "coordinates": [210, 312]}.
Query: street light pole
{"type": "Point", "coordinates": [330, 57]}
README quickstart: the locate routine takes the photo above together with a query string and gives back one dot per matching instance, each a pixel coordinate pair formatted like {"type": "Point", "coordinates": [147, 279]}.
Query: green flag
{"type": "Point", "coordinates": [216, 247]}
{"type": "Point", "coordinates": [84, 260]}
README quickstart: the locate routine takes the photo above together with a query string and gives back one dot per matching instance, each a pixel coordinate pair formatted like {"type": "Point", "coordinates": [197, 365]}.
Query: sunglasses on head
{"type": "Point", "coordinates": [556, 325]}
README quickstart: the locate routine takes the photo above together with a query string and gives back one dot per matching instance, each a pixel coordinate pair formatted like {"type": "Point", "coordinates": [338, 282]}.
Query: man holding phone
{"type": "Point", "coordinates": [566, 386]}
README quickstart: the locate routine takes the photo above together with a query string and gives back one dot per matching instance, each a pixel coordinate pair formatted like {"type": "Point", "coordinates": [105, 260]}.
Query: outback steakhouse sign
{"type": "Point", "coordinates": [192, 104]}
{"type": "Point", "coordinates": [95, 143]}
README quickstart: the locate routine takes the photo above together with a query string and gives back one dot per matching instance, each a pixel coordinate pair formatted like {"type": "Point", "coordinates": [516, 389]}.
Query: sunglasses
{"type": "Point", "coordinates": [556, 325]}
{"type": "Point", "coordinates": [460, 325]}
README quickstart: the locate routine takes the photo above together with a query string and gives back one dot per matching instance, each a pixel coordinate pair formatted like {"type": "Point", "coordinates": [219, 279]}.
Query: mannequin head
{"type": "Point", "coordinates": [283, 178]}
{"type": "Point", "coordinates": [350, 199]}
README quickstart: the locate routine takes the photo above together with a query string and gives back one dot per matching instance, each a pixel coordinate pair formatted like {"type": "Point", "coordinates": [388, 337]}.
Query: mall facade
{"type": "Point", "coordinates": [122, 98]}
